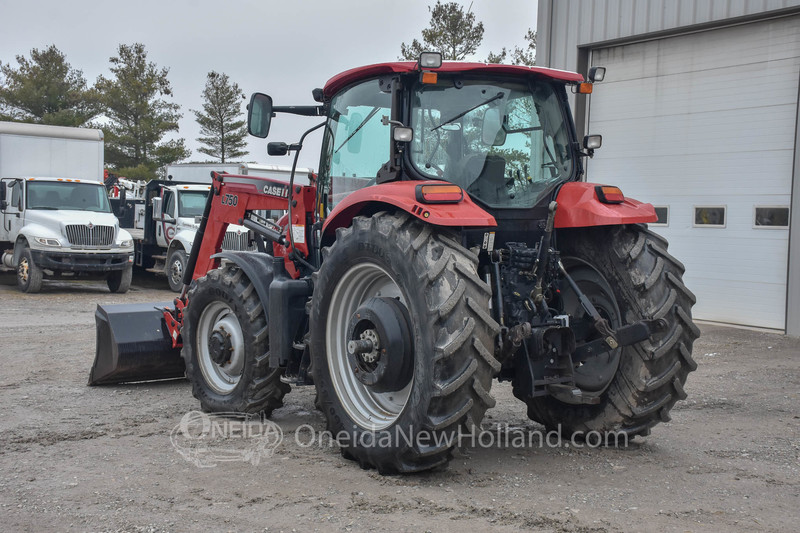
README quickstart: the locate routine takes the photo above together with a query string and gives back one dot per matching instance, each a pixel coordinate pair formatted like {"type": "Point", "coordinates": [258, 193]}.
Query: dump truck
{"type": "Point", "coordinates": [56, 219]}
{"type": "Point", "coordinates": [448, 241]}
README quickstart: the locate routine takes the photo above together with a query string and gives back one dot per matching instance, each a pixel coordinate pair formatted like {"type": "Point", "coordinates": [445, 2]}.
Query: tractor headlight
{"type": "Point", "coordinates": [47, 241]}
{"type": "Point", "coordinates": [126, 244]}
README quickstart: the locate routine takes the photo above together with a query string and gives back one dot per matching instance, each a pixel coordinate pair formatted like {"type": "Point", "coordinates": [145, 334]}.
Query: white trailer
{"type": "Point", "coordinates": [201, 172]}
{"type": "Point", "coordinates": [56, 219]}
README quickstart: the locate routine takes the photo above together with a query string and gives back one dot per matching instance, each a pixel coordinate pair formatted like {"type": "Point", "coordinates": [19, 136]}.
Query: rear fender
{"type": "Point", "coordinates": [579, 207]}
{"type": "Point", "coordinates": [402, 195]}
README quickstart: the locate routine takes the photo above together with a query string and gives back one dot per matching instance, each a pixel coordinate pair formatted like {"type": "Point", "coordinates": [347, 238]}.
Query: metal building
{"type": "Point", "coordinates": [699, 116]}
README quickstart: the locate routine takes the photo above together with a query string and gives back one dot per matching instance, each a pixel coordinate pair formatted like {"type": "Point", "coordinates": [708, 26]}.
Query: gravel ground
{"type": "Point", "coordinates": [75, 458]}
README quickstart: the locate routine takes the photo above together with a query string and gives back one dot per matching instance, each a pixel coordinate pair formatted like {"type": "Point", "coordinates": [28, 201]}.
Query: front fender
{"type": "Point", "coordinates": [32, 230]}
{"type": "Point", "coordinates": [185, 238]}
{"type": "Point", "coordinates": [257, 267]}
{"type": "Point", "coordinates": [579, 207]}
{"type": "Point", "coordinates": [402, 195]}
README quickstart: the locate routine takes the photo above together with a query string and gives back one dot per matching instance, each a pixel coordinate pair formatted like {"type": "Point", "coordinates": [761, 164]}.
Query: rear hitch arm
{"type": "Point", "coordinates": [611, 339]}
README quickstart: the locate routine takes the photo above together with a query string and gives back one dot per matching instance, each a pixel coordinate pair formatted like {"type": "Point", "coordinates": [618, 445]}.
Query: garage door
{"type": "Point", "coordinates": [703, 126]}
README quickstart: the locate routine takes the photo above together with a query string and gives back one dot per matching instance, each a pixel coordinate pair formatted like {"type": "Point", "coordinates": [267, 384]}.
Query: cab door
{"type": "Point", "coordinates": [13, 208]}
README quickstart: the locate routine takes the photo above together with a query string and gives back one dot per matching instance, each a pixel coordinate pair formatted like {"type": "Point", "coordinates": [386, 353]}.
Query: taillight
{"type": "Point", "coordinates": [439, 194]}
{"type": "Point", "coordinates": [609, 195]}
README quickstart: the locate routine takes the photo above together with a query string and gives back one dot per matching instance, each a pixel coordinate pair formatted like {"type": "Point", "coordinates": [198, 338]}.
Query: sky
{"type": "Point", "coordinates": [282, 48]}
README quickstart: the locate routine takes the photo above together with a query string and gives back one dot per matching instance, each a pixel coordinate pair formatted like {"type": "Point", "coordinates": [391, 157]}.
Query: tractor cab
{"type": "Point", "coordinates": [502, 133]}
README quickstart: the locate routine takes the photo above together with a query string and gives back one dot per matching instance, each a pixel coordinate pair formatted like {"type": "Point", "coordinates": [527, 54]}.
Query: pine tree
{"type": "Point", "coordinates": [45, 89]}
{"type": "Point", "coordinates": [139, 116]}
{"type": "Point", "coordinates": [452, 31]}
{"type": "Point", "coordinates": [223, 131]}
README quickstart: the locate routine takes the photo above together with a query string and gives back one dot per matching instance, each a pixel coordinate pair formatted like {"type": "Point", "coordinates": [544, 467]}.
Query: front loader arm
{"type": "Point", "coordinates": [232, 197]}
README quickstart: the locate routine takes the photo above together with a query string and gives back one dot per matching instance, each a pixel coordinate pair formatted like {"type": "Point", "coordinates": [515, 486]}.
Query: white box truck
{"type": "Point", "coordinates": [54, 209]}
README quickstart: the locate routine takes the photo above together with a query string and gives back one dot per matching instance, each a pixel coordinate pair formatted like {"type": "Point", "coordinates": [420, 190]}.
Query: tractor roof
{"type": "Point", "coordinates": [347, 77]}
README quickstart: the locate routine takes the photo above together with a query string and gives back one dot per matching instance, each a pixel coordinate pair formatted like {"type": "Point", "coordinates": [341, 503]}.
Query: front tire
{"type": "Point", "coordinates": [29, 275]}
{"type": "Point", "coordinates": [120, 281]}
{"type": "Point", "coordinates": [628, 274]}
{"type": "Point", "coordinates": [176, 265]}
{"type": "Point", "coordinates": [412, 292]}
{"type": "Point", "coordinates": [226, 346]}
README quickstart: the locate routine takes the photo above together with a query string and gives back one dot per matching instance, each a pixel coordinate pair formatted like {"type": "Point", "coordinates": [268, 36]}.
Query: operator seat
{"type": "Point", "coordinates": [490, 185]}
{"type": "Point", "coordinates": [51, 199]}
{"type": "Point", "coordinates": [81, 197]}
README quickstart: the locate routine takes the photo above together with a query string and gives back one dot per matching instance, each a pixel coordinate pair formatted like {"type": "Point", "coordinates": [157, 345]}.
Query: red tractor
{"type": "Point", "coordinates": [448, 240]}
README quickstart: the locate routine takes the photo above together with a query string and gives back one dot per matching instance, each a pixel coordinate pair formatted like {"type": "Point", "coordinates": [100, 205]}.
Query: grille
{"type": "Point", "coordinates": [235, 242]}
{"type": "Point", "coordinates": [80, 235]}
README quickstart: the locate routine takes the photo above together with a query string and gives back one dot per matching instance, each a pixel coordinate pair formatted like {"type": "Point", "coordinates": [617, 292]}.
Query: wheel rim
{"type": "Point", "coordinates": [369, 409]}
{"type": "Point", "coordinates": [595, 374]}
{"type": "Point", "coordinates": [176, 271]}
{"type": "Point", "coordinates": [218, 318]}
{"type": "Point", "coordinates": [23, 271]}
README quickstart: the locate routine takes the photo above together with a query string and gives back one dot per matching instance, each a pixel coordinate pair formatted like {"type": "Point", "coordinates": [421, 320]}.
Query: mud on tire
{"type": "Point", "coordinates": [219, 303]}
{"type": "Point", "coordinates": [452, 335]}
{"type": "Point", "coordinates": [647, 283]}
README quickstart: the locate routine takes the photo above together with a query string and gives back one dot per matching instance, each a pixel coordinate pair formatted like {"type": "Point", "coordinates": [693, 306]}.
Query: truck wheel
{"type": "Point", "coordinates": [176, 264]}
{"type": "Point", "coordinates": [120, 281]}
{"type": "Point", "coordinates": [628, 275]}
{"type": "Point", "coordinates": [401, 343]}
{"type": "Point", "coordinates": [226, 346]}
{"type": "Point", "coordinates": [29, 275]}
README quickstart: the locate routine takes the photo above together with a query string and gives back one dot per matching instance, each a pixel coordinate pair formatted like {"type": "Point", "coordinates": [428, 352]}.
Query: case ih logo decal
{"type": "Point", "coordinates": [276, 190]}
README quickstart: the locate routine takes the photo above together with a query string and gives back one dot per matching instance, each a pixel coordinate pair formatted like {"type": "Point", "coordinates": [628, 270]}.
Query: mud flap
{"type": "Point", "coordinates": [133, 344]}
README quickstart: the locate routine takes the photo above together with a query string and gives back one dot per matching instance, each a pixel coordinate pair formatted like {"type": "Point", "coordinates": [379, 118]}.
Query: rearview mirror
{"type": "Point", "coordinates": [259, 115]}
{"type": "Point", "coordinates": [158, 209]}
{"type": "Point", "coordinates": [2, 196]}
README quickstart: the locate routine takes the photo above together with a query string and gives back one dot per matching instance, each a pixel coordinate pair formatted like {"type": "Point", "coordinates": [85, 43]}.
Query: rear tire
{"type": "Point", "coordinates": [29, 275]}
{"type": "Point", "coordinates": [176, 265]}
{"type": "Point", "coordinates": [425, 282]}
{"type": "Point", "coordinates": [648, 377]}
{"type": "Point", "coordinates": [120, 281]}
{"type": "Point", "coordinates": [225, 319]}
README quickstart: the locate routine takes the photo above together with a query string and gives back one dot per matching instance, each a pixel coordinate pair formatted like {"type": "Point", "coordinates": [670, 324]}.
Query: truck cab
{"type": "Point", "coordinates": [62, 228]}
{"type": "Point", "coordinates": [171, 221]}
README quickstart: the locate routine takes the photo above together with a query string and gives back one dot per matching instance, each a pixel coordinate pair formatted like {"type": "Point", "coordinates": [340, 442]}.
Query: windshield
{"type": "Point", "coordinates": [191, 203]}
{"type": "Point", "coordinates": [505, 143]}
{"type": "Point", "coordinates": [67, 195]}
{"type": "Point", "coordinates": [356, 143]}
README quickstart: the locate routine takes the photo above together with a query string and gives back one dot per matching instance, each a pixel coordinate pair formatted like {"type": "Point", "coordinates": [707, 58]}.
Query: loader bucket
{"type": "Point", "coordinates": [133, 344]}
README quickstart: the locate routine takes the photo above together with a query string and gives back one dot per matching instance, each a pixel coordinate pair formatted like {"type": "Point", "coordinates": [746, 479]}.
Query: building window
{"type": "Point", "coordinates": [766, 216]}
{"type": "Point", "coordinates": [709, 216]}
{"type": "Point", "coordinates": [662, 212]}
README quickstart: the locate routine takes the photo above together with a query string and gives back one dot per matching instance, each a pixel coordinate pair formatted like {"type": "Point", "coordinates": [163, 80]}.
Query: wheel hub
{"type": "Point", "coordinates": [177, 270]}
{"type": "Point", "coordinates": [380, 346]}
{"type": "Point", "coordinates": [220, 346]}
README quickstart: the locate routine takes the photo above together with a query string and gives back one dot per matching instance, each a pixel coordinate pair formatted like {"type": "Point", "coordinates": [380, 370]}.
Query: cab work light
{"type": "Point", "coordinates": [439, 194]}
{"type": "Point", "coordinates": [609, 195]}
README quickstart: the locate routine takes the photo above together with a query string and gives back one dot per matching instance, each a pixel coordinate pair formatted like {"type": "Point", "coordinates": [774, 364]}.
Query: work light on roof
{"type": "Point", "coordinates": [430, 60]}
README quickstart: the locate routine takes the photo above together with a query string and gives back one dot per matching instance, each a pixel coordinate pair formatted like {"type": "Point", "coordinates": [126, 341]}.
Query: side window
{"type": "Point", "coordinates": [169, 204]}
{"type": "Point", "coordinates": [16, 195]}
{"type": "Point", "coordinates": [356, 143]}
